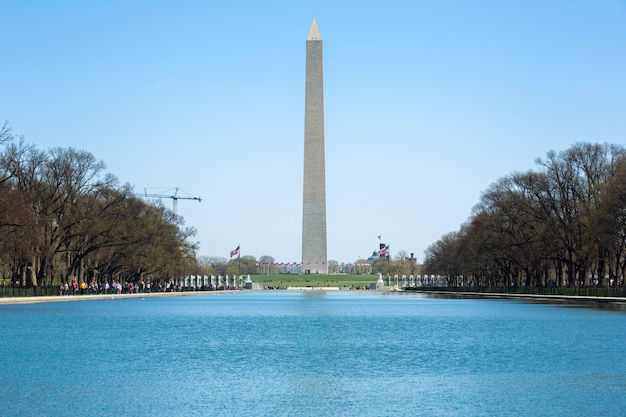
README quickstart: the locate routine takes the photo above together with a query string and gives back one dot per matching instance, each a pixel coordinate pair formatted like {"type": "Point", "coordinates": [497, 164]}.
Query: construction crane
{"type": "Point", "coordinates": [175, 197]}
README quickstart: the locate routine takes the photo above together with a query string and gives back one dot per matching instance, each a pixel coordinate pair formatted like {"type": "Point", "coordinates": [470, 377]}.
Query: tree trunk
{"type": "Point", "coordinates": [601, 267]}
{"type": "Point", "coordinates": [32, 272]}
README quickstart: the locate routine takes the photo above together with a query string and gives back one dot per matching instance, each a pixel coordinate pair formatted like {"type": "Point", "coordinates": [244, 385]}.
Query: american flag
{"type": "Point", "coordinates": [384, 251]}
{"type": "Point", "coordinates": [234, 251]}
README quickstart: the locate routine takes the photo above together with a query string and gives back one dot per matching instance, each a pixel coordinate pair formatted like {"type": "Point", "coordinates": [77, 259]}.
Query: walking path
{"type": "Point", "coordinates": [65, 298]}
{"type": "Point", "coordinates": [537, 297]}
{"type": "Point", "coordinates": [529, 297]}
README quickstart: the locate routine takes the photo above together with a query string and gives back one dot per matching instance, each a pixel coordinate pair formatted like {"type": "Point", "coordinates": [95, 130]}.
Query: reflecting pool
{"type": "Point", "coordinates": [274, 353]}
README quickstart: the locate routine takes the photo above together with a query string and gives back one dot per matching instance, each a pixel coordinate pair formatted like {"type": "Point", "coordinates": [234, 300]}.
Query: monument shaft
{"type": "Point", "coordinates": [314, 253]}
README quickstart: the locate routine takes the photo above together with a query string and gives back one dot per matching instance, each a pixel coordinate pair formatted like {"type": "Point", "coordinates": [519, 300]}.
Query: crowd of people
{"type": "Point", "coordinates": [113, 287]}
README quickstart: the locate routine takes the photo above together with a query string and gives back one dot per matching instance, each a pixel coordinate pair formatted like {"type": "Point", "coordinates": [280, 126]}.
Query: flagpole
{"type": "Point", "coordinates": [239, 258]}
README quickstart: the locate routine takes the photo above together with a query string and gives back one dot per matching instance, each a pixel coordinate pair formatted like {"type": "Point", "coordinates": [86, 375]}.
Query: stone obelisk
{"type": "Point", "coordinates": [314, 256]}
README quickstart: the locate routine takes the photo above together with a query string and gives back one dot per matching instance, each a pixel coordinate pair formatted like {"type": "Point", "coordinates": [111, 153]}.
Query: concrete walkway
{"type": "Point", "coordinates": [536, 297]}
{"type": "Point", "coordinates": [67, 298]}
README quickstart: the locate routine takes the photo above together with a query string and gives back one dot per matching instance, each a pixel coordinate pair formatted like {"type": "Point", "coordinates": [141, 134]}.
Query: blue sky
{"type": "Point", "coordinates": [427, 103]}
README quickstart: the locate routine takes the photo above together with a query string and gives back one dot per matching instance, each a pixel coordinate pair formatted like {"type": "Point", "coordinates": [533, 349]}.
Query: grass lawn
{"type": "Point", "coordinates": [314, 280]}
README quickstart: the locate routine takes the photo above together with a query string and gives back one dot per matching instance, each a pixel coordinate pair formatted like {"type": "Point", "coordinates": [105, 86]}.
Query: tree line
{"type": "Point", "coordinates": [563, 224]}
{"type": "Point", "coordinates": [63, 219]}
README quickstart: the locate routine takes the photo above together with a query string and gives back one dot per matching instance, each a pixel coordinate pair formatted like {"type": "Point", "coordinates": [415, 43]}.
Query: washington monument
{"type": "Point", "coordinates": [314, 256]}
